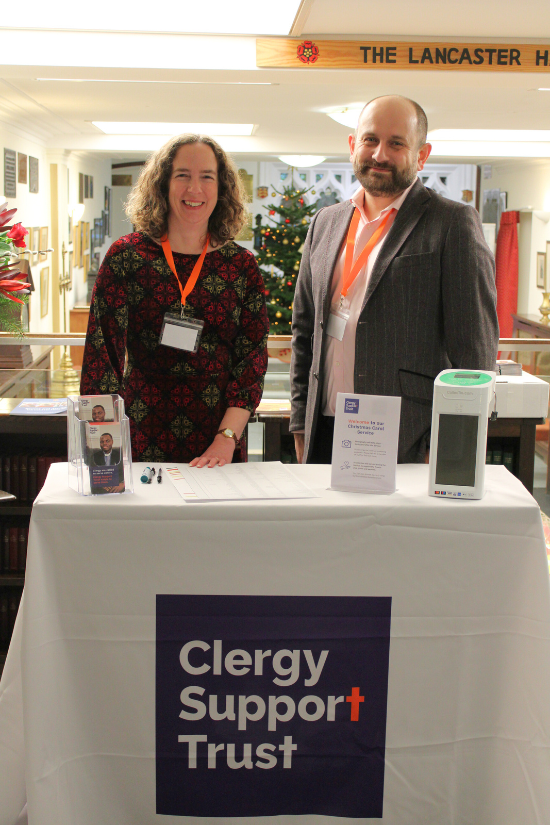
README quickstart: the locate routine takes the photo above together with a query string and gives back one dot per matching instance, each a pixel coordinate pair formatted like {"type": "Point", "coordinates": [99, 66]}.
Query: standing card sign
{"type": "Point", "coordinates": [364, 451]}
{"type": "Point", "coordinates": [10, 173]}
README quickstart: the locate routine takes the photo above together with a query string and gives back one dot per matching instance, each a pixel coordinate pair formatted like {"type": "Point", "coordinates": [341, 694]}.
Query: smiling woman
{"type": "Point", "coordinates": [184, 307]}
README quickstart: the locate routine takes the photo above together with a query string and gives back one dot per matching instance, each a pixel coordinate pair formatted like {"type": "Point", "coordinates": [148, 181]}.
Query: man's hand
{"type": "Point", "coordinates": [299, 443]}
{"type": "Point", "coordinates": [219, 453]}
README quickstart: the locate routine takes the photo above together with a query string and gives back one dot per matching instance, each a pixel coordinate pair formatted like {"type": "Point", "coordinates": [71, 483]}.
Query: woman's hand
{"type": "Point", "coordinates": [219, 453]}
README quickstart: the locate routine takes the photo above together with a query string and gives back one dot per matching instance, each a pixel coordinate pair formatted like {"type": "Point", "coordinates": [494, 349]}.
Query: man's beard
{"type": "Point", "coordinates": [383, 184]}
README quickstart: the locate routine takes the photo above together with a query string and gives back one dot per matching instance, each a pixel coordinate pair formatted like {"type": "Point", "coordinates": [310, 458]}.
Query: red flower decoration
{"type": "Point", "coordinates": [13, 286]}
{"type": "Point", "coordinates": [271, 211]}
{"type": "Point", "coordinates": [17, 235]}
{"type": "Point", "coordinates": [6, 215]}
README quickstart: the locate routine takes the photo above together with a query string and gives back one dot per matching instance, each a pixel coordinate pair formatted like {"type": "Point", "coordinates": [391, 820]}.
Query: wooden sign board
{"type": "Point", "coordinates": [282, 53]}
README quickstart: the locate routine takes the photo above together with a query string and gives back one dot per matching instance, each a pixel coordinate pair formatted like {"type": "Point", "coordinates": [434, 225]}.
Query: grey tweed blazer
{"type": "Point", "coordinates": [430, 305]}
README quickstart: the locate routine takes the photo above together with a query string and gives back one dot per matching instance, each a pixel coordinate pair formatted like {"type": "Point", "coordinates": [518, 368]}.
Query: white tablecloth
{"type": "Point", "coordinates": [468, 711]}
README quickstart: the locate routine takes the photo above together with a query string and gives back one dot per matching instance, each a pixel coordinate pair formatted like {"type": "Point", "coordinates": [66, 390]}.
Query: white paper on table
{"type": "Point", "coordinates": [364, 449]}
{"type": "Point", "coordinates": [238, 482]}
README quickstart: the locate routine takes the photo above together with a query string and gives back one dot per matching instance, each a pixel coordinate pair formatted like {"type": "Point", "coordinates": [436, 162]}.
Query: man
{"type": "Point", "coordinates": [98, 413]}
{"type": "Point", "coordinates": [106, 456]}
{"type": "Point", "coordinates": [423, 301]}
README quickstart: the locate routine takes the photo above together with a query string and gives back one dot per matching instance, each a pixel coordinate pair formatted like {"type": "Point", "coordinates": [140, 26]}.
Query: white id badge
{"type": "Point", "coordinates": [181, 333]}
{"type": "Point", "coordinates": [337, 321]}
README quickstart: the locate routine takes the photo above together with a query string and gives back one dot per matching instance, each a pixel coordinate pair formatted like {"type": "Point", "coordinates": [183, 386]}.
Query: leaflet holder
{"type": "Point", "coordinates": [85, 476]}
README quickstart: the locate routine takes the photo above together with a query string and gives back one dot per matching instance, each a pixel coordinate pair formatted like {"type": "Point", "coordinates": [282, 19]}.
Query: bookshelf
{"type": "Point", "coordinates": [27, 446]}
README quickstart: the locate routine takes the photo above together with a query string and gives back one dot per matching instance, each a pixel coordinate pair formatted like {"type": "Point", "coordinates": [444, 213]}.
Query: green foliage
{"type": "Point", "coordinates": [281, 252]}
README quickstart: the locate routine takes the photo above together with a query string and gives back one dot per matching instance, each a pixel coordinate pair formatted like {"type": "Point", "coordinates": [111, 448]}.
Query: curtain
{"type": "Point", "coordinates": [507, 271]}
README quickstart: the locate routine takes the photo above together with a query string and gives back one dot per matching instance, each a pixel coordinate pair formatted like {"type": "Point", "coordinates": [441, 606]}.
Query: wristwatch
{"type": "Point", "coordinates": [228, 433]}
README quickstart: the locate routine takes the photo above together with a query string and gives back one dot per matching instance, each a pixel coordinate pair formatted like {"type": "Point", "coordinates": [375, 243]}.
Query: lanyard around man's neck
{"type": "Point", "coordinates": [351, 270]}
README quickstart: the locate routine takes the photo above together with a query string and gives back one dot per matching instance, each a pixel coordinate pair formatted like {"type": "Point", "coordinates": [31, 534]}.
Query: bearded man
{"type": "Point", "coordinates": [415, 294]}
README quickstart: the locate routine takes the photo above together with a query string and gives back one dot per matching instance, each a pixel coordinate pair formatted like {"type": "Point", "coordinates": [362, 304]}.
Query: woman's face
{"type": "Point", "coordinates": [193, 190]}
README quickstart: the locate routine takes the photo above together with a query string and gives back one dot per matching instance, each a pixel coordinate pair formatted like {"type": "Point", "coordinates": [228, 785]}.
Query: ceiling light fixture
{"type": "Point", "coordinates": [181, 82]}
{"type": "Point", "coordinates": [302, 161]}
{"type": "Point", "coordinates": [492, 135]}
{"type": "Point", "coordinates": [135, 128]}
{"type": "Point", "coordinates": [348, 116]}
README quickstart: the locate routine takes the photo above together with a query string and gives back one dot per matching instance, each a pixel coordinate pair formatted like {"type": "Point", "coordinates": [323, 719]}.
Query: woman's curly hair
{"type": "Point", "coordinates": [147, 205]}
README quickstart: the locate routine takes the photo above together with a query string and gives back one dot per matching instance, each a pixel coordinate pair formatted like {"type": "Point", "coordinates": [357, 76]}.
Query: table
{"type": "Point", "coordinates": [535, 328]}
{"type": "Point", "coordinates": [467, 738]}
{"type": "Point", "coordinates": [520, 433]}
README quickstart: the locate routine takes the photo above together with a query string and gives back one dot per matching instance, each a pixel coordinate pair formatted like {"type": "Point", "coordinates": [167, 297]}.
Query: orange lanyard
{"type": "Point", "coordinates": [351, 272]}
{"type": "Point", "coordinates": [190, 285]}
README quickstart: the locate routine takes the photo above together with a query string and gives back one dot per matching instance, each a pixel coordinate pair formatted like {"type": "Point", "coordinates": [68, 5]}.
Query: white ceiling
{"type": "Point", "coordinates": [289, 114]}
{"type": "Point", "coordinates": [425, 18]}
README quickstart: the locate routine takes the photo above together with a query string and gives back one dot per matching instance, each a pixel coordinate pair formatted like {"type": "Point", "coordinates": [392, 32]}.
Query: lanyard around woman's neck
{"type": "Point", "coordinates": [189, 286]}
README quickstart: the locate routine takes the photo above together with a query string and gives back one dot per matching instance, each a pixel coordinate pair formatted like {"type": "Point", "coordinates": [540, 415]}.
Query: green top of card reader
{"type": "Point", "coordinates": [465, 379]}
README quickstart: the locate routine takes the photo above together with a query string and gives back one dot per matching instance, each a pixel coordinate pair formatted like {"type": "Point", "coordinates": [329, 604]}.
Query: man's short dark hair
{"type": "Point", "coordinates": [421, 119]}
{"type": "Point", "coordinates": [109, 434]}
{"type": "Point", "coordinates": [100, 406]}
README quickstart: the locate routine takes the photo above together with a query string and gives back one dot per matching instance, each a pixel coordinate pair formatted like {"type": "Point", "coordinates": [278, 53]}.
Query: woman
{"type": "Point", "coordinates": [183, 405]}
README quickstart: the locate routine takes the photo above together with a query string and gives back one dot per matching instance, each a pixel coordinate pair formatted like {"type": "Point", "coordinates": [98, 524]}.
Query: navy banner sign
{"type": "Point", "coordinates": [271, 705]}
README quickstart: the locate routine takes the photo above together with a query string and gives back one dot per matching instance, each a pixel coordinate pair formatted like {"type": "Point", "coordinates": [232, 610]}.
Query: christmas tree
{"type": "Point", "coordinates": [279, 251]}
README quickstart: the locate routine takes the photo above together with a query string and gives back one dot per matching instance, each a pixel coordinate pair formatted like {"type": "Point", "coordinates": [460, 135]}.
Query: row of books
{"type": "Point", "coordinates": [13, 550]}
{"type": "Point", "coordinates": [24, 475]}
{"type": "Point", "coordinates": [9, 604]}
{"type": "Point", "coordinates": [496, 455]}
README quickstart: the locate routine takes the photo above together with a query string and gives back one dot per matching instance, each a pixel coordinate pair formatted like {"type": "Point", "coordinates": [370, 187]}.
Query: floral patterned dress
{"type": "Point", "coordinates": [175, 400]}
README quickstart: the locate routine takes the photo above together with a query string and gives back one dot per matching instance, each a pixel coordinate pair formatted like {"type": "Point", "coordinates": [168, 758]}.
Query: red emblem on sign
{"type": "Point", "coordinates": [308, 52]}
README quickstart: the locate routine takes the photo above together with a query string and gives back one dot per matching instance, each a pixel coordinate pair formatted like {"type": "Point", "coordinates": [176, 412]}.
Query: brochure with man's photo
{"type": "Point", "coordinates": [96, 408]}
{"type": "Point", "coordinates": [104, 450]}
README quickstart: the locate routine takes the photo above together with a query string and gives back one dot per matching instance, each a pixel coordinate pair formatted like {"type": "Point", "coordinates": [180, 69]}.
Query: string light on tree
{"type": "Point", "coordinates": [283, 244]}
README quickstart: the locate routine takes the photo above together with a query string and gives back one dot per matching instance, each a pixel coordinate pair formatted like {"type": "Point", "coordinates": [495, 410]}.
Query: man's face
{"type": "Point", "coordinates": [385, 152]}
{"type": "Point", "coordinates": [106, 443]}
{"type": "Point", "coordinates": [98, 413]}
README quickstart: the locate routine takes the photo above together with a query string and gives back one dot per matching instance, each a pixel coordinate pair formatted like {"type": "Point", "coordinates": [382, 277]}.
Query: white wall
{"type": "Point", "coordinates": [34, 210]}
{"type": "Point", "coordinates": [93, 207]}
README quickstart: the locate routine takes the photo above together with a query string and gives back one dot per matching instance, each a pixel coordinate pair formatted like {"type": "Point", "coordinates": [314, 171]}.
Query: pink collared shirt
{"type": "Point", "coordinates": [339, 356]}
